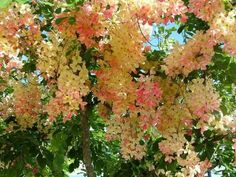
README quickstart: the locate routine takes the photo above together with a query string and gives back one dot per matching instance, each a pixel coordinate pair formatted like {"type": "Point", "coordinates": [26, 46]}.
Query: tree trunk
{"type": "Point", "coordinates": [209, 173]}
{"type": "Point", "coordinates": [86, 144]}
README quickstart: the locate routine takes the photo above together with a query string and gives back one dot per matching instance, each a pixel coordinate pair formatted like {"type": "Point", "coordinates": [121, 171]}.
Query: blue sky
{"type": "Point", "coordinates": [175, 35]}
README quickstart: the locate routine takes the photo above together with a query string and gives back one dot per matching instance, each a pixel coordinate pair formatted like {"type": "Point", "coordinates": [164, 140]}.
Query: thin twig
{"type": "Point", "coordinates": [144, 35]}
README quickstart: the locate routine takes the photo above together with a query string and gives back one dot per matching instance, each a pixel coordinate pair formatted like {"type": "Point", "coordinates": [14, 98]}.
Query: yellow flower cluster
{"type": "Point", "coordinates": [127, 131]}
{"type": "Point", "coordinates": [195, 54]}
{"type": "Point", "coordinates": [24, 104]}
{"type": "Point", "coordinates": [68, 72]}
{"type": "Point", "coordinates": [115, 85]}
{"type": "Point", "coordinates": [223, 29]}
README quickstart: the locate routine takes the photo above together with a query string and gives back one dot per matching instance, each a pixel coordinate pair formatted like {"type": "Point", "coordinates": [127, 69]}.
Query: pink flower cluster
{"type": "Point", "coordinates": [17, 24]}
{"type": "Point", "coordinates": [206, 9]}
{"type": "Point", "coordinates": [149, 94]}
{"type": "Point", "coordinates": [16, 64]}
{"type": "Point", "coordinates": [88, 23]}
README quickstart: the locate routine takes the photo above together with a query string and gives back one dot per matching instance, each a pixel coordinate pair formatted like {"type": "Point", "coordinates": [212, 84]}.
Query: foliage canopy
{"type": "Point", "coordinates": [82, 85]}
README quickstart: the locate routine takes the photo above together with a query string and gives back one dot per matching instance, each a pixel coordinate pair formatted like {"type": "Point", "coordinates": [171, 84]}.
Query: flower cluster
{"type": "Point", "coordinates": [13, 64]}
{"type": "Point", "coordinates": [206, 9]}
{"type": "Point", "coordinates": [73, 24]}
{"type": "Point", "coordinates": [222, 29]}
{"type": "Point", "coordinates": [175, 147]}
{"type": "Point", "coordinates": [24, 103]}
{"type": "Point", "coordinates": [206, 100]}
{"type": "Point", "coordinates": [69, 74]}
{"type": "Point", "coordinates": [127, 131]}
{"type": "Point", "coordinates": [149, 95]}
{"type": "Point", "coordinates": [161, 11]}
{"type": "Point", "coordinates": [18, 29]}
{"type": "Point", "coordinates": [115, 85]}
{"type": "Point", "coordinates": [114, 89]}
{"type": "Point", "coordinates": [134, 102]}
{"type": "Point", "coordinates": [194, 55]}
{"type": "Point", "coordinates": [172, 144]}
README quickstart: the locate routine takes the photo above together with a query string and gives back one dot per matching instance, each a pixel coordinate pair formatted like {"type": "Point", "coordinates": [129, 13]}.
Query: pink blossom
{"type": "Point", "coordinates": [147, 48]}
{"type": "Point", "coordinates": [13, 64]}
{"type": "Point", "coordinates": [87, 8]}
{"type": "Point", "coordinates": [183, 19]}
{"type": "Point", "coordinates": [108, 12]}
{"type": "Point", "coordinates": [149, 94]}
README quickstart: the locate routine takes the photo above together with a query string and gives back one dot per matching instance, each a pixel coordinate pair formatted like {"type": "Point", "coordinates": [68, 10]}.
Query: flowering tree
{"type": "Point", "coordinates": [82, 83]}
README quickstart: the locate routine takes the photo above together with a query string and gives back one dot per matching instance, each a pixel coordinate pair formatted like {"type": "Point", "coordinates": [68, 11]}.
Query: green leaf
{"type": "Point", "coordinates": [59, 20]}
{"type": "Point", "coordinates": [5, 3]}
{"type": "Point", "coordinates": [58, 161]}
{"type": "Point", "coordinates": [2, 80]}
{"type": "Point", "coordinates": [41, 161]}
{"type": "Point", "coordinates": [22, 1]}
{"type": "Point", "coordinates": [46, 3]}
{"type": "Point", "coordinates": [9, 90]}
{"type": "Point", "coordinates": [58, 10]}
{"type": "Point", "coordinates": [72, 20]}
{"type": "Point", "coordinates": [181, 28]}
{"type": "Point", "coordinates": [210, 148]}
{"type": "Point", "coordinates": [49, 157]}
{"type": "Point", "coordinates": [29, 67]}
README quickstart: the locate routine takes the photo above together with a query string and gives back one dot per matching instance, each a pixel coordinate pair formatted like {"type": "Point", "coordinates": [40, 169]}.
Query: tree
{"type": "Point", "coordinates": [80, 84]}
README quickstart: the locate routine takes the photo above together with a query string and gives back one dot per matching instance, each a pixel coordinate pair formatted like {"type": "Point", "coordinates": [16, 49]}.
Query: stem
{"type": "Point", "coordinates": [86, 144]}
{"type": "Point", "coordinates": [140, 29]}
